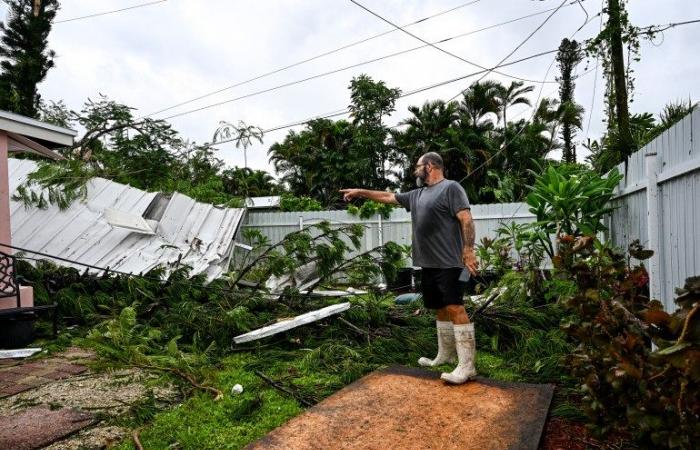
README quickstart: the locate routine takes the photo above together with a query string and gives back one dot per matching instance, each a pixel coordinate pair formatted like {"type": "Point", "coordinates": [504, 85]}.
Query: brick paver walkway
{"type": "Point", "coordinates": [19, 375]}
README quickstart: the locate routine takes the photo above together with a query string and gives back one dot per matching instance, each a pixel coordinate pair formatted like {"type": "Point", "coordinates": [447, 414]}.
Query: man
{"type": "Point", "coordinates": [443, 245]}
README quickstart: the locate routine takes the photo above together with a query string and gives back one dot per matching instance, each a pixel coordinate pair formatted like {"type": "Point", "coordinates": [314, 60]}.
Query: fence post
{"type": "Point", "coordinates": [653, 226]}
{"type": "Point", "coordinates": [380, 229]}
{"type": "Point", "coordinates": [301, 223]}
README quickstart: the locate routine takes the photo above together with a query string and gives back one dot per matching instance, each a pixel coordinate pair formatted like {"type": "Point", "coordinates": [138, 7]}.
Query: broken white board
{"type": "Point", "coordinates": [288, 324]}
{"type": "Point", "coordinates": [19, 353]}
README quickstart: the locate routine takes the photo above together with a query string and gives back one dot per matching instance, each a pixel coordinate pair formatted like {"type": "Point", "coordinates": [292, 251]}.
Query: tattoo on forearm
{"type": "Point", "coordinates": [468, 233]}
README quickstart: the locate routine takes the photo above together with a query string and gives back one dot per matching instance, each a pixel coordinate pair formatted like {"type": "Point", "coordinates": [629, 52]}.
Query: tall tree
{"type": "Point", "coordinates": [25, 56]}
{"type": "Point", "coordinates": [619, 76]}
{"type": "Point", "coordinates": [480, 103]}
{"type": "Point", "coordinates": [511, 95]}
{"type": "Point", "coordinates": [371, 102]}
{"type": "Point", "coordinates": [319, 160]}
{"type": "Point", "coordinates": [609, 46]}
{"type": "Point", "coordinates": [427, 130]}
{"type": "Point", "coordinates": [568, 57]}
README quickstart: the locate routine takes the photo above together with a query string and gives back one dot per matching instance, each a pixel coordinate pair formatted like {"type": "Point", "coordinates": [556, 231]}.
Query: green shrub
{"type": "Point", "coordinates": [626, 385]}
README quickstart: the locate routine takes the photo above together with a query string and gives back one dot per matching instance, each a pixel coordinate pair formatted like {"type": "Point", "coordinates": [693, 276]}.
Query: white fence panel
{"type": "Point", "coordinates": [677, 153]}
{"type": "Point", "coordinates": [397, 228]}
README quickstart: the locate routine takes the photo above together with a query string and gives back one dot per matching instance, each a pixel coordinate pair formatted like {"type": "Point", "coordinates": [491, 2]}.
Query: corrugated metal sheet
{"type": "Point", "coordinates": [397, 228]}
{"type": "Point", "coordinates": [200, 235]}
{"type": "Point", "coordinates": [268, 202]}
{"type": "Point", "coordinates": [678, 164]}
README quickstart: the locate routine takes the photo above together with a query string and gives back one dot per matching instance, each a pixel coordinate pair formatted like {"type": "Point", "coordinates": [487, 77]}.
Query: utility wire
{"type": "Point", "coordinates": [333, 71]}
{"type": "Point", "coordinates": [595, 79]}
{"type": "Point", "coordinates": [407, 94]}
{"type": "Point", "coordinates": [505, 144]}
{"type": "Point", "coordinates": [518, 48]}
{"type": "Point", "coordinates": [110, 12]}
{"type": "Point", "coordinates": [440, 49]}
{"type": "Point", "coordinates": [320, 55]}
{"type": "Point", "coordinates": [107, 270]}
{"type": "Point", "coordinates": [292, 83]}
{"type": "Point", "coordinates": [651, 29]}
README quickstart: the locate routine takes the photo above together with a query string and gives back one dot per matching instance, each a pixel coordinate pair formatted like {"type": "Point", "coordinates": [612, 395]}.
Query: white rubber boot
{"type": "Point", "coordinates": [466, 352]}
{"type": "Point", "coordinates": [446, 346]}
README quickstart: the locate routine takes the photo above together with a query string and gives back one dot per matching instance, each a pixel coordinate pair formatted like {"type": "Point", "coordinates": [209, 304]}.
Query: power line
{"type": "Point", "coordinates": [651, 29]}
{"type": "Point", "coordinates": [519, 46]}
{"type": "Point", "coordinates": [407, 94]}
{"type": "Point", "coordinates": [440, 49]}
{"type": "Point", "coordinates": [505, 144]}
{"type": "Point", "coordinates": [458, 36]}
{"type": "Point", "coordinates": [595, 80]}
{"type": "Point", "coordinates": [110, 12]}
{"type": "Point", "coordinates": [320, 55]}
{"type": "Point", "coordinates": [303, 80]}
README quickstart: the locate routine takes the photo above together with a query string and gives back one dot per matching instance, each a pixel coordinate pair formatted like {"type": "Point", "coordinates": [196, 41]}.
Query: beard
{"type": "Point", "coordinates": [420, 181]}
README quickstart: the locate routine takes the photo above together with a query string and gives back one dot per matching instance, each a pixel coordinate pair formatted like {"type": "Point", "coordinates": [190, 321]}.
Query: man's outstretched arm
{"type": "Point", "coordinates": [377, 196]}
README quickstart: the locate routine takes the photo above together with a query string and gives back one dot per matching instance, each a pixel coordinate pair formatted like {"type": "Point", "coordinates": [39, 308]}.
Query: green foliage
{"type": "Point", "coordinates": [644, 127]}
{"type": "Point", "coordinates": [371, 208]}
{"type": "Point", "coordinates": [494, 255]}
{"type": "Point", "coordinates": [24, 55]}
{"type": "Point", "coordinates": [328, 156]}
{"type": "Point", "coordinates": [570, 113]}
{"type": "Point", "coordinates": [289, 202]}
{"type": "Point", "coordinates": [468, 137]}
{"type": "Point", "coordinates": [326, 247]}
{"type": "Point", "coordinates": [653, 394]}
{"type": "Point", "coordinates": [570, 200]}
{"type": "Point", "coordinates": [246, 182]}
{"type": "Point", "coordinates": [144, 153]}
{"type": "Point", "coordinates": [55, 183]}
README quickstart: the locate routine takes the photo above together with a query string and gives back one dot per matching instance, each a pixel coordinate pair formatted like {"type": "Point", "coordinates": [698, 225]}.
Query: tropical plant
{"type": "Point", "coordinates": [289, 202]}
{"type": "Point", "coordinates": [24, 55]}
{"type": "Point", "coordinates": [571, 114]}
{"type": "Point", "coordinates": [328, 156]}
{"type": "Point", "coordinates": [511, 95]}
{"type": "Point", "coordinates": [627, 385]}
{"type": "Point", "coordinates": [242, 134]}
{"type": "Point", "coordinates": [245, 182]}
{"type": "Point", "coordinates": [479, 103]}
{"type": "Point", "coordinates": [570, 200]}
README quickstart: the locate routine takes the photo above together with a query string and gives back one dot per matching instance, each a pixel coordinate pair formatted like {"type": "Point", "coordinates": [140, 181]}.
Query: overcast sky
{"type": "Point", "coordinates": [156, 56]}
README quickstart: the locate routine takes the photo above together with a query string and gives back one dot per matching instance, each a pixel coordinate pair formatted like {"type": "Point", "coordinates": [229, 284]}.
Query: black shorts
{"type": "Point", "coordinates": [441, 287]}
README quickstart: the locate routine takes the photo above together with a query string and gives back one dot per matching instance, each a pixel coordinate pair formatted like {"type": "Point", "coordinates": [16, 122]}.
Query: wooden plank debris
{"type": "Point", "coordinates": [297, 321]}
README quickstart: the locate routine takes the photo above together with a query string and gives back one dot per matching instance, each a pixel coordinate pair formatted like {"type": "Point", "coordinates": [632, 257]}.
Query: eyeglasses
{"type": "Point", "coordinates": [420, 165]}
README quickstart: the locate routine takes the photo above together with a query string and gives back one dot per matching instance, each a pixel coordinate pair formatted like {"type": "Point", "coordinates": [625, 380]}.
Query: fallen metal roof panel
{"type": "Point", "coordinates": [197, 234]}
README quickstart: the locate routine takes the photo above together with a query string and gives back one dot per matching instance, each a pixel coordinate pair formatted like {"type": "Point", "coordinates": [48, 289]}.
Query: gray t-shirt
{"type": "Point", "coordinates": [437, 235]}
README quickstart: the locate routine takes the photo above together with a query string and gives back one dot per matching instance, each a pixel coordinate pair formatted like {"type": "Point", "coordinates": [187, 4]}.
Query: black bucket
{"type": "Point", "coordinates": [16, 332]}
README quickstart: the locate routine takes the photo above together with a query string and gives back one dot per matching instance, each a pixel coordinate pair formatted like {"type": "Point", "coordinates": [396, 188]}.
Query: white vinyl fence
{"type": "Point", "coordinates": [659, 203]}
{"type": "Point", "coordinates": [397, 228]}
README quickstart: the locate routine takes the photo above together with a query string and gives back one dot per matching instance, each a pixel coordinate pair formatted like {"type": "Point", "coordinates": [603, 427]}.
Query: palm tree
{"type": "Point", "coordinates": [241, 134]}
{"type": "Point", "coordinates": [547, 114]}
{"type": "Point", "coordinates": [427, 130]}
{"type": "Point", "coordinates": [480, 100]}
{"type": "Point", "coordinates": [511, 95]}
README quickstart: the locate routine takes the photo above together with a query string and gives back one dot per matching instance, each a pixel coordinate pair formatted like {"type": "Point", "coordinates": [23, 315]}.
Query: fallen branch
{"type": "Point", "coordinates": [354, 327]}
{"type": "Point", "coordinates": [137, 441]}
{"type": "Point", "coordinates": [218, 395]}
{"type": "Point", "coordinates": [281, 388]}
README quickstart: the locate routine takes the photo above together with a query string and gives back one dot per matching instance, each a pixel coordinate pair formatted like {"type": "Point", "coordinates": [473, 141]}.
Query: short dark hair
{"type": "Point", "coordinates": [434, 159]}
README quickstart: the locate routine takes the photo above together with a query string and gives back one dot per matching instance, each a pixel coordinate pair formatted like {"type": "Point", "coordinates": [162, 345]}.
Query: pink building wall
{"type": "Point", "coordinates": [26, 292]}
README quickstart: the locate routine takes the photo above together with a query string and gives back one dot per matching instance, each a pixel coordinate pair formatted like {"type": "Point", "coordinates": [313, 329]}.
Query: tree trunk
{"type": "Point", "coordinates": [618, 71]}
